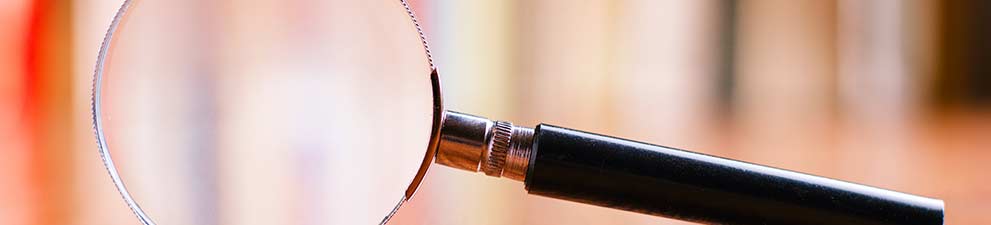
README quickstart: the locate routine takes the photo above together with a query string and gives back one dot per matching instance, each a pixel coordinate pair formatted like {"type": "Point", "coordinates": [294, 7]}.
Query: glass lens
{"type": "Point", "coordinates": [265, 111]}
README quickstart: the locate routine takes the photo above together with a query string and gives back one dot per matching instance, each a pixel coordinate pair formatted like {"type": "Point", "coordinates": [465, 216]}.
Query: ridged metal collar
{"type": "Point", "coordinates": [477, 144]}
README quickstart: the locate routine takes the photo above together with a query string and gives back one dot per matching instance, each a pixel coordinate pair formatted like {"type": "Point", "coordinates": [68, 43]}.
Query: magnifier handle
{"type": "Point", "coordinates": [634, 176]}
{"type": "Point", "coordinates": [617, 173]}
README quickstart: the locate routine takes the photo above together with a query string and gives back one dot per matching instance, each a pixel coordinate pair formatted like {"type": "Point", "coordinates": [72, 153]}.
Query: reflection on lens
{"type": "Point", "coordinates": [265, 112]}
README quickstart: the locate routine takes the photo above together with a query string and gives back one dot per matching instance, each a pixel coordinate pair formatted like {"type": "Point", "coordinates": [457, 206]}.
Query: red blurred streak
{"type": "Point", "coordinates": [17, 197]}
{"type": "Point", "coordinates": [31, 109]}
{"type": "Point", "coordinates": [32, 57]}
{"type": "Point", "coordinates": [45, 109]}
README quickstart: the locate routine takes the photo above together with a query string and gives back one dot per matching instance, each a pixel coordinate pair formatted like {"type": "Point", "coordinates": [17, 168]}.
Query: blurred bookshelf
{"type": "Point", "coordinates": [894, 94]}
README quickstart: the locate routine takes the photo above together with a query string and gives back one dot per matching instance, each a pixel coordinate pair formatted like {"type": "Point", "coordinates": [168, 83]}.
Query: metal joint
{"type": "Point", "coordinates": [496, 148]}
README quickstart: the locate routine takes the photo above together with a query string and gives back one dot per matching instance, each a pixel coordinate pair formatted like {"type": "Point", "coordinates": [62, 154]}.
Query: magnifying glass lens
{"type": "Point", "coordinates": [265, 112]}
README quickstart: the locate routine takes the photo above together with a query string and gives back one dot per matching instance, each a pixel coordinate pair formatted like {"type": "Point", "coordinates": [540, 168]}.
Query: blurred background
{"type": "Point", "coordinates": [894, 94]}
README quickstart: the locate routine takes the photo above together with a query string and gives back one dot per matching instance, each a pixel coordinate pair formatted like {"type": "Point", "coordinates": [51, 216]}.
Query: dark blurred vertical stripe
{"type": "Point", "coordinates": [963, 76]}
{"type": "Point", "coordinates": [48, 109]}
{"type": "Point", "coordinates": [725, 76]}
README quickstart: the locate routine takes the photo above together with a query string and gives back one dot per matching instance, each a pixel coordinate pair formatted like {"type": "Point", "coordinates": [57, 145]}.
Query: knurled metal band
{"type": "Point", "coordinates": [519, 153]}
{"type": "Point", "coordinates": [502, 132]}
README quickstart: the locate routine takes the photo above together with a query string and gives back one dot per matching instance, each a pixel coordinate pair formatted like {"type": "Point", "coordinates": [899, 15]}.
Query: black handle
{"type": "Point", "coordinates": [657, 180]}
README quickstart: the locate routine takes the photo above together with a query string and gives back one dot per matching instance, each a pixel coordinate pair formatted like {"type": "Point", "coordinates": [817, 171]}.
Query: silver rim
{"type": "Point", "coordinates": [97, 106]}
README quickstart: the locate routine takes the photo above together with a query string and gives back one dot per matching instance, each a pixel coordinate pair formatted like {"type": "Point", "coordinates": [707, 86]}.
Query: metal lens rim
{"type": "Point", "coordinates": [96, 105]}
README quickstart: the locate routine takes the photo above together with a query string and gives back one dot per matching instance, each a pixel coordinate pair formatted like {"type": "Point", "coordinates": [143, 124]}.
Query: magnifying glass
{"type": "Point", "coordinates": [272, 112]}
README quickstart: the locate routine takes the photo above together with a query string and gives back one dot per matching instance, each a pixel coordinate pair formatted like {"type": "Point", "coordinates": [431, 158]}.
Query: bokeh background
{"type": "Point", "coordinates": [895, 94]}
